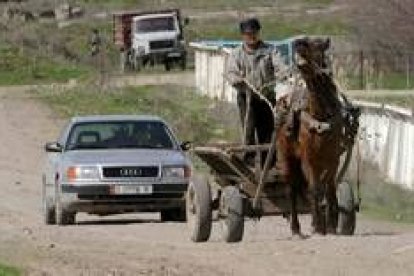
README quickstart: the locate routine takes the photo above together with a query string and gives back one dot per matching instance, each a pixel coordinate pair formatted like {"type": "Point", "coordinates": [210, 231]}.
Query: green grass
{"type": "Point", "coordinates": [389, 202]}
{"type": "Point", "coordinates": [17, 67]}
{"type": "Point", "coordinates": [198, 4]}
{"type": "Point", "coordinates": [384, 200]}
{"type": "Point", "coordinates": [273, 28]}
{"type": "Point", "coordinates": [194, 118]}
{"type": "Point", "coordinates": [6, 270]}
{"type": "Point", "coordinates": [391, 80]}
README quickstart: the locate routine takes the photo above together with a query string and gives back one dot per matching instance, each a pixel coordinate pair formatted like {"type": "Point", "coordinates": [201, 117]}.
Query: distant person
{"type": "Point", "coordinates": [95, 42]}
{"type": "Point", "coordinates": [259, 64]}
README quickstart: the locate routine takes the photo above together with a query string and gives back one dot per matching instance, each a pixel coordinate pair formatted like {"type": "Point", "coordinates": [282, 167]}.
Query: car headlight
{"type": "Point", "coordinates": [82, 173]}
{"type": "Point", "coordinates": [177, 171]}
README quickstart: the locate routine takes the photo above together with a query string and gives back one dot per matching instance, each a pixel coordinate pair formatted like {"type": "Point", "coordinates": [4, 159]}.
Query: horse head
{"type": "Point", "coordinates": [311, 54]}
{"type": "Point", "coordinates": [313, 64]}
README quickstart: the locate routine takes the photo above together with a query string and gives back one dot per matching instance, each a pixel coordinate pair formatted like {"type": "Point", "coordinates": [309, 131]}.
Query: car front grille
{"type": "Point", "coordinates": [130, 172]}
{"type": "Point", "coordinates": [161, 44]}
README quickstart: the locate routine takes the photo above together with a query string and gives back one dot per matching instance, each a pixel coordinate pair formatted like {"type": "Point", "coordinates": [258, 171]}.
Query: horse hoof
{"type": "Point", "coordinates": [331, 231]}
{"type": "Point", "coordinates": [298, 237]}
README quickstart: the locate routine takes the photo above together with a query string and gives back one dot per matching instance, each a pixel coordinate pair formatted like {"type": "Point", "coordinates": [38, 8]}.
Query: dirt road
{"type": "Point", "coordinates": [140, 245]}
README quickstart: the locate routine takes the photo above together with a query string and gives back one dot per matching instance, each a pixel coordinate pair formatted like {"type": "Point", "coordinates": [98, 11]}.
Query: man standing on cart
{"type": "Point", "coordinates": [255, 64]}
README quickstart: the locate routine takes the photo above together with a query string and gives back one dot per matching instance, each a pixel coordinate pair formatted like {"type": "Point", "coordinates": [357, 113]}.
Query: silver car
{"type": "Point", "coordinates": [108, 165]}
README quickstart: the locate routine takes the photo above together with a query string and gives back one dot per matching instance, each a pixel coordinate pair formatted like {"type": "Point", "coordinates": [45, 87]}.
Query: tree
{"type": "Point", "coordinates": [383, 24]}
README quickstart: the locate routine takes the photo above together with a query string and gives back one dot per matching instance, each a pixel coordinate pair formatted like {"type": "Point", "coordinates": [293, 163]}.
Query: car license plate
{"type": "Point", "coordinates": [134, 190]}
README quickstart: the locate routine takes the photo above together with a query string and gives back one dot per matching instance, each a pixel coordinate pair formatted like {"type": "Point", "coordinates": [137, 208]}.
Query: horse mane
{"type": "Point", "coordinates": [320, 84]}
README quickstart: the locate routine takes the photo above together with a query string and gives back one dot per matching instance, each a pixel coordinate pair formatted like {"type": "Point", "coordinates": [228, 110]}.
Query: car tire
{"type": "Point", "coordinates": [64, 217]}
{"type": "Point", "coordinates": [49, 214]}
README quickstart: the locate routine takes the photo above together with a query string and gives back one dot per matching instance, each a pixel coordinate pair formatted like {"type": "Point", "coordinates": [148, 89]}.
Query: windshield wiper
{"type": "Point", "coordinates": [77, 146]}
{"type": "Point", "coordinates": [129, 146]}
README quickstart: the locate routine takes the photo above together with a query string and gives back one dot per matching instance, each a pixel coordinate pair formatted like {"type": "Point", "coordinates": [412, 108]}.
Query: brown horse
{"type": "Point", "coordinates": [309, 149]}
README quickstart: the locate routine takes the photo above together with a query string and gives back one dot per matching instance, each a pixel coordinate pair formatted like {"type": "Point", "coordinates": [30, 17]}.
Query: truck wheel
{"type": "Point", "coordinates": [347, 213]}
{"type": "Point", "coordinates": [174, 215]}
{"type": "Point", "coordinates": [198, 209]}
{"type": "Point", "coordinates": [64, 217]}
{"type": "Point", "coordinates": [232, 214]}
{"type": "Point", "coordinates": [183, 63]}
{"type": "Point", "coordinates": [49, 214]}
{"type": "Point", "coordinates": [167, 65]}
{"type": "Point", "coordinates": [138, 63]}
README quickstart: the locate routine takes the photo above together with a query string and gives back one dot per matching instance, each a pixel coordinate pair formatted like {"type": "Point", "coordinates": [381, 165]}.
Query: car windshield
{"type": "Point", "coordinates": [116, 135]}
{"type": "Point", "coordinates": [160, 24]}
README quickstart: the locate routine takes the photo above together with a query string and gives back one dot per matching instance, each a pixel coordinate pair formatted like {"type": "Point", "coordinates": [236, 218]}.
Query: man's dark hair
{"type": "Point", "coordinates": [251, 25]}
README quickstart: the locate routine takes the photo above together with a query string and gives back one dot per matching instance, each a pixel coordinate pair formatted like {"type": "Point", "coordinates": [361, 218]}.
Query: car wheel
{"type": "Point", "coordinates": [64, 217]}
{"type": "Point", "coordinates": [49, 214]}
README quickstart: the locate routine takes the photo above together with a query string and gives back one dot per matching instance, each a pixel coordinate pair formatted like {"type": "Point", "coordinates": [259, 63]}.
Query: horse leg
{"type": "Point", "coordinates": [332, 206]}
{"type": "Point", "coordinates": [315, 197]}
{"type": "Point", "coordinates": [293, 195]}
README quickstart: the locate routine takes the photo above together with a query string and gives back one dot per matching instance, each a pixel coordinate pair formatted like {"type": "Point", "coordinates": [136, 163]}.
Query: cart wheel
{"type": "Point", "coordinates": [231, 211]}
{"type": "Point", "coordinates": [198, 206]}
{"type": "Point", "coordinates": [347, 213]}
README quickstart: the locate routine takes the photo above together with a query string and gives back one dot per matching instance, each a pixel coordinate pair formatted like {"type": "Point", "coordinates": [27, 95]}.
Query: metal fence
{"type": "Point", "coordinates": [386, 141]}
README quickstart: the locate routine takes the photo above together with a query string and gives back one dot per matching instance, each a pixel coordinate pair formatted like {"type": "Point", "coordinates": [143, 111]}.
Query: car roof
{"type": "Point", "coordinates": [113, 118]}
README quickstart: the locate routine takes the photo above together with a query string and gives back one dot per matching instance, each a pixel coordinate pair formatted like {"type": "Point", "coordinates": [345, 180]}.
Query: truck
{"type": "Point", "coordinates": [147, 38]}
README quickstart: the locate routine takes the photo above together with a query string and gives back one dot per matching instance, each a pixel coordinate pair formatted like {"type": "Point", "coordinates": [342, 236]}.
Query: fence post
{"type": "Point", "coordinates": [408, 69]}
{"type": "Point", "coordinates": [361, 70]}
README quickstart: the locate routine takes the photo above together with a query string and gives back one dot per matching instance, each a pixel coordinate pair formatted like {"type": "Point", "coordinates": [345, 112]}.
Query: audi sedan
{"type": "Point", "coordinates": [107, 165]}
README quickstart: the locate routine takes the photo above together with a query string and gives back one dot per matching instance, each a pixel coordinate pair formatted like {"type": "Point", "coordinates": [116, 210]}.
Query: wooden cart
{"type": "Point", "coordinates": [246, 192]}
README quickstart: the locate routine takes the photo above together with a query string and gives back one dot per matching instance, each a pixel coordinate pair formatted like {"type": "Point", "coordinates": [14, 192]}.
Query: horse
{"type": "Point", "coordinates": [309, 147]}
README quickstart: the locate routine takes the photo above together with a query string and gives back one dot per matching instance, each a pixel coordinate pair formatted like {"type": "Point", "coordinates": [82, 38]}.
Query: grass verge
{"type": "Point", "coordinates": [198, 4]}
{"type": "Point", "coordinates": [18, 67]}
{"type": "Point", "coordinates": [384, 200]}
{"type": "Point", "coordinates": [193, 117]}
{"type": "Point", "coordinates": [6, 270]}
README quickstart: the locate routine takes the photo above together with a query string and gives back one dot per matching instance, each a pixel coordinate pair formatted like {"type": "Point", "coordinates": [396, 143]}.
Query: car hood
{"type": "Point", "coordinates": [125, 157]}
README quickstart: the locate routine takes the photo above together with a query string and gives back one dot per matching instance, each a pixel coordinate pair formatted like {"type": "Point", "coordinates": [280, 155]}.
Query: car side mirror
{"type": "Point", "coordinates": [186, 21]}
{"type": "Point", "coordinates": [185, 146]}
{"type": "Point", "coordinates": [53, 147]}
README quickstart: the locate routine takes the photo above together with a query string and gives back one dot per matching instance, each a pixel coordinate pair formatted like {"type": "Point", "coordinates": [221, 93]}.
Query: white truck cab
{"type": "Point", "coordinates": [152, 38]}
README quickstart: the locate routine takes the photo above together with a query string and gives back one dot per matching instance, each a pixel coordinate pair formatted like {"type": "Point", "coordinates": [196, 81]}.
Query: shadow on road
{"type": "Point", "coordinates": [117, 222]}
{"type": "Point", "coordinates": [377, 234]}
